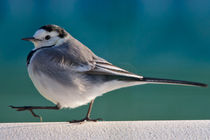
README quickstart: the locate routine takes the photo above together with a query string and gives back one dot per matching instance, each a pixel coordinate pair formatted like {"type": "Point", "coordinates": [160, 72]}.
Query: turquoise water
{"type": "Point", "coordinates": [168, 39]}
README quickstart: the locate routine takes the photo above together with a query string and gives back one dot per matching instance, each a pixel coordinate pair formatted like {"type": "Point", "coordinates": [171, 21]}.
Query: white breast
{"type": "Point", "coordinates": [65, 96]}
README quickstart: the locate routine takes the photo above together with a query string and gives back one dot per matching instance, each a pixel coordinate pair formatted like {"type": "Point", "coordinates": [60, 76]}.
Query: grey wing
{"type": "Point", "coordinates": [103, 67]}
{"type": "Point", "coordinates": [73, 60]}
{"type": "Point", "coordinates": [93, 64]}
{"type": "Point", "coordinates": [61, 59]}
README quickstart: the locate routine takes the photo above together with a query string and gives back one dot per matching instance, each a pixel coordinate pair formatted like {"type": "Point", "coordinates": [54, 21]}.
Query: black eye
{"type": "Point", "coordinates": [47, 37]}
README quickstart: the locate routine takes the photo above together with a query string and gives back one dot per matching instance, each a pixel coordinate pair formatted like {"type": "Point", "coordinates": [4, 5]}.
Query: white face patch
{"type": "Point", "coordinates": [53, 40]}
{"type": "Point", "coordinates": [40, 34]}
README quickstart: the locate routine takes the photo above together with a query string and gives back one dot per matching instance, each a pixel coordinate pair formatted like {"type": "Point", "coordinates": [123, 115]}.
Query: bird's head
{"type": "Point", "coordinates": [48, 35]}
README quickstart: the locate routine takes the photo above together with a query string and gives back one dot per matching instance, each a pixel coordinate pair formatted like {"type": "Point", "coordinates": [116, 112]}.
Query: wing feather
{"type": "Point", "coordinates": [62, 58]}
{"type": "Point", "coordinates": [106, 68]}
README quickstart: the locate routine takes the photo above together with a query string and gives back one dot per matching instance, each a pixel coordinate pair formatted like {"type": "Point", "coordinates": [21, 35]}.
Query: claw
{"type": "Point", "coordinates": [85, 120]}
{"type": "Point", "coordinates": [29, 108]}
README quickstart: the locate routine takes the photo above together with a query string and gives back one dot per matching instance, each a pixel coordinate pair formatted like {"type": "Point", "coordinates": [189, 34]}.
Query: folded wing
{"type": "Point", "coordinates": [105, 68]}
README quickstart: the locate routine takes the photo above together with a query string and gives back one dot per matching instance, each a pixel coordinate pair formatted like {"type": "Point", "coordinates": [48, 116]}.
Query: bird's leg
{"type": "Point", "coordinates": [30, 108]}
{"type": "Point", "coordinates": [87, 118]}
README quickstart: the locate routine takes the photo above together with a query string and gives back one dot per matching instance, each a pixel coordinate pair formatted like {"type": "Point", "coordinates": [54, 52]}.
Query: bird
{"type": "Point", "coordinates": [69, 74]}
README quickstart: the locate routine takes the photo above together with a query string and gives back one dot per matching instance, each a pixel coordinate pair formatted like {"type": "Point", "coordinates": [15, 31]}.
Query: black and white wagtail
{"type": "Point", "coordinates": [69, 74]}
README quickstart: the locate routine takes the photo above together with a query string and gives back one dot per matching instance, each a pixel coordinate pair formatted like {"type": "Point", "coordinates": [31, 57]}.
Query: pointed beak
{"type": "Point", "coordinates": [31, 39]}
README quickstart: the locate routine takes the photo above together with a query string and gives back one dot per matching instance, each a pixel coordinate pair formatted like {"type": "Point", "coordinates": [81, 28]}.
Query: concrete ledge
{"type": "Point", "coordinates": [144, 130]}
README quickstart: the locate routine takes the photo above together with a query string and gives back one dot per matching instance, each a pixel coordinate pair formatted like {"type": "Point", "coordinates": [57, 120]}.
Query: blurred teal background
{"type": "Point", "coordinates": [165, 39]}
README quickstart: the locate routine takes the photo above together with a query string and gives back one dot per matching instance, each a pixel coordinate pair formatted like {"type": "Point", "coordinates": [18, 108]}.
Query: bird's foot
{"type": "Point", "coordinates": [86, 119]}
{"type": "Point", "coordinates": [29, 108]}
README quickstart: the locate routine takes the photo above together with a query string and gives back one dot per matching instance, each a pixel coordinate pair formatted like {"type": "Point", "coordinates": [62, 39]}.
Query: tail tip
{"type": "Point", "coordinates": [204, 85]}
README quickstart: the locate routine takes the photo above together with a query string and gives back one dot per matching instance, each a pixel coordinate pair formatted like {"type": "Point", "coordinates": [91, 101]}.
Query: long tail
{"type": "Point", "coordinates": [169, 81]}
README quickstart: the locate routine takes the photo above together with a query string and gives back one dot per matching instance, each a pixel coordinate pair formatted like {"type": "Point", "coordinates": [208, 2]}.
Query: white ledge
{"type": "Point", "coordinates": [164, 130]}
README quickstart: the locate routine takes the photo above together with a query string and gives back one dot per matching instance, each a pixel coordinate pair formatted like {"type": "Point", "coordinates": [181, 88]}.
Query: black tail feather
{"type": "Point", "coordinates": [169, 81]}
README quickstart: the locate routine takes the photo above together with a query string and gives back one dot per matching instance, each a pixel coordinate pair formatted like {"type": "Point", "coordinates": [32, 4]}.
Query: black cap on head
{"type": "Point", "coordinates": [61, 32]}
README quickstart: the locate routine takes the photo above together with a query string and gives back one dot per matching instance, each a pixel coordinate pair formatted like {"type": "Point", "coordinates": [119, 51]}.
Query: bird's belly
{"type": "Point", "coordinates": [65, 96]}
{"type": "Point", "coordinates": [69, 96]}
